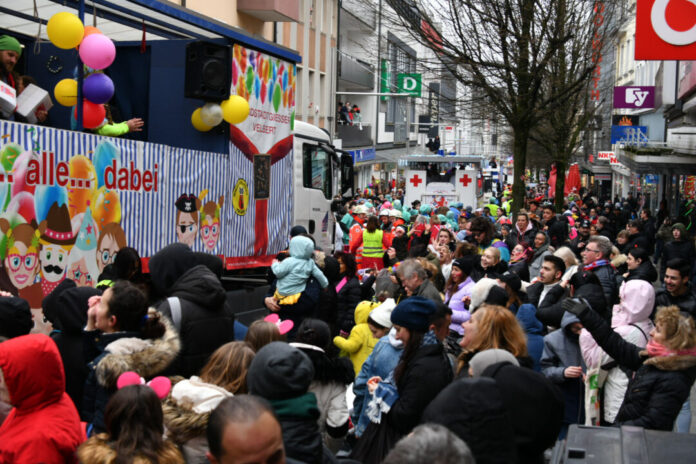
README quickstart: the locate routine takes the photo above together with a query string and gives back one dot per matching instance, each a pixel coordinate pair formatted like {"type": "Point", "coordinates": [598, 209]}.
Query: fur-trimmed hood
{"type": "Point", "coordinates": [183, 423]}
{"type": "Point", "coordinates": [97, 450]}
{"type": "Point", "coordinates": [670, 363]}
{"type": "Point", "coordinates": [146, 357]}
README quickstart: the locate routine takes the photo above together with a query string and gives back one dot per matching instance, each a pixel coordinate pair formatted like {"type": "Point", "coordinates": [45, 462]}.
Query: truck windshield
{"type": "Point", "coordinates": [316, 169]}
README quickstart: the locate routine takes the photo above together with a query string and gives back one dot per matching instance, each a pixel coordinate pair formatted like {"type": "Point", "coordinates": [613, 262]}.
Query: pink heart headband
{"type": "Point", "coordinates": [283, 326]}
{"type": "Point", "coordinates": [160, 385]}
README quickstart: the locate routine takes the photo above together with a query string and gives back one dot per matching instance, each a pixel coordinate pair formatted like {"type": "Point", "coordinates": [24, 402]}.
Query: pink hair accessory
{"type": "Point", "coordinates": [283, 326]}
{"type": "Point", "coordinates": [160, 385]}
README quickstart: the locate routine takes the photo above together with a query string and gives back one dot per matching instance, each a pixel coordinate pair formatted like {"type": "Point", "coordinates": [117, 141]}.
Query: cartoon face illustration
{"type": "Point", "coordinates": [54, 261]}
{"type": "Point", "coordinates": [186, 227]}
{"type": "Point", "coordinates": [187, 206]}
{"type": "Point", "coordinates": [79, 271]}
{"type": "Point", "coordinates": [210, 223]}
{"type": "Point", "coordinates": [111, 240]}
{"type": "Point", "coordinates": [22, 264]}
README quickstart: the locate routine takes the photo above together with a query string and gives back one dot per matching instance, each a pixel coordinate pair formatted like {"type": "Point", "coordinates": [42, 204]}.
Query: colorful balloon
{"type": "Point", "coordinates": [97, 51]}
{"type": "Point", "coordinates": [80, 168]}
{"type": "Point", "coordinates": [89, 30]}
{"type": "Point", "coordinates": [65, 30]}
{"type": "Point", "coordinates": [23, 204]}
{"type": "Point", "coordinates": [198, 123]}
{"type": "Point", "coordinates": [8, 155]}
{"type": "Point", "coordinates": [104, 156]}
{"type": "Point", "coordinates": [235, 109]}
{"type": "Point", "coordinates": [93, 114]}
{"type": "Point", "coordinates": [45, 196]}
{"type": "Point", "coordinates": [211, 114]}
{"type": "Point", "coordinates": [98, 88]}
{"type": "Point", "coordinates": [106, 207]}
{"type": "Point", "coordinates": [65, 92]}
{"type": "Point", "coordinates": [19, 173]}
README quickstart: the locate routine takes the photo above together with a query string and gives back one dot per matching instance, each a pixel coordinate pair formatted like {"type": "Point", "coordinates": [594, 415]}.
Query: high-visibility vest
{"type": "Point", "coordinates": [372, 244]}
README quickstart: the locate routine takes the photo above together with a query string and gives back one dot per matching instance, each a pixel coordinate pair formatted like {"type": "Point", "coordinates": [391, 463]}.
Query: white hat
{"type": "Point", "coordinates": [360, 209]}
{"type": "Point", "coordinates": [395, 213]}
{"type": "Point", "coordinates": [384, 212]}
{"type": "Point", "coordinates": [382, 313]}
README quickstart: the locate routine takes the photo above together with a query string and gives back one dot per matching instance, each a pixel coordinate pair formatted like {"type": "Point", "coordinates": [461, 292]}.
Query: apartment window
{"type": "Point", "coordinates": [403, 60]}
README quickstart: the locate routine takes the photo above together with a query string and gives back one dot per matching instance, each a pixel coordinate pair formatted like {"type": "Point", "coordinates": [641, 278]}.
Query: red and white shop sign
{"type": "Point", "coordinates": [665, 30]}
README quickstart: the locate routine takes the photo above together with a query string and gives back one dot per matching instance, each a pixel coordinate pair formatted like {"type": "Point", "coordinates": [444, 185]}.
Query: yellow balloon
{"type": "Point", "coordinates": [235, 109]}
{"type": "Point", "coordinates": [198, 122]}
{"type": "Point", "coordinates": [65, 92]}
{"type": "Point", "coordinates": [65, 30]}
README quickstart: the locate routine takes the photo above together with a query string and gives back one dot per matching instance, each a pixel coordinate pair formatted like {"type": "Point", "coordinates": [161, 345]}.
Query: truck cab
{"type": "Point", "coordinates": [321, 174]}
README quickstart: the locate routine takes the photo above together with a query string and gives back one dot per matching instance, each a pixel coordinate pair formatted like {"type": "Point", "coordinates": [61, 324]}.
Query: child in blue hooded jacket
{"type": "Point", "coordinates": [292, 273]}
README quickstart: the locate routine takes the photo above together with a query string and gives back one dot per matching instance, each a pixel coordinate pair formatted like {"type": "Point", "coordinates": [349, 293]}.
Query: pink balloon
{"type": "Point", "coordinates": [97, 51]}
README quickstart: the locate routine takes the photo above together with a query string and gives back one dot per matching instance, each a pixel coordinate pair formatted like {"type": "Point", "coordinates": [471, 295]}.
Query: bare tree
{"type": "Point", "coordinates": [509, 50]}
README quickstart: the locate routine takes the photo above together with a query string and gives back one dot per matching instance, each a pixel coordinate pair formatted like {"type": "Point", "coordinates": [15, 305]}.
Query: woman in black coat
{"type": "Point", "coordinates": [664, 370]}
{"type": "Point", "coordinates": [423, 371]}
{"type": "Point", "coordinates": [680, 247]}
{"type": "Point", "coordinates": [348, 291]}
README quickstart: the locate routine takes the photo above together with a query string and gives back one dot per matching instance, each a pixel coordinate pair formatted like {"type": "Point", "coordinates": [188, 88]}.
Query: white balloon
{"type": "Point", "coordinates": [211, 114]}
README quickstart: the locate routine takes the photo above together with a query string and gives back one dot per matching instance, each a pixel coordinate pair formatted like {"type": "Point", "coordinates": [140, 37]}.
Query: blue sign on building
{"type": "Point", "coordinates": [367, 154]}
{"type": "Point", "coordinates": [629, 134]}
{"type": "Point", "coordinates": [651, 179]}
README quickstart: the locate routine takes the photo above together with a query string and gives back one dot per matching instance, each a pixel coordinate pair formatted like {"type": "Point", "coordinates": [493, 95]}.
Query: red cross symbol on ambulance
{"type": "Point", "coordinates": [465, 180]}
{"type": "Point", "coordinates": [415, 180]}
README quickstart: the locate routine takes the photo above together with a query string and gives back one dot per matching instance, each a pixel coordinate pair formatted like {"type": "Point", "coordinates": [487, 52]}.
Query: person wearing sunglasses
{"type": "Point", "coordinates": [595, 258]}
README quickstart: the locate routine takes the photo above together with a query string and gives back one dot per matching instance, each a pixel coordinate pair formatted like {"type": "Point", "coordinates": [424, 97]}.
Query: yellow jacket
{"type": "Point", "coordinates": [360, 342]}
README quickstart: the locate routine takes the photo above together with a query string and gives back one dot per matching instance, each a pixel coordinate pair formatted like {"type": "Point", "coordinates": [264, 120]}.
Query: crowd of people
{"type": "Point", "coordinates": [434, 330]}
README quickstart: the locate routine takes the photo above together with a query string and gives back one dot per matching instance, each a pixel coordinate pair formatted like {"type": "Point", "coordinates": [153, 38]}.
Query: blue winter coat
{"type": "Point", "coordinates": [526, 315]}
{"type": "Point", "coordinates": [381, 362]}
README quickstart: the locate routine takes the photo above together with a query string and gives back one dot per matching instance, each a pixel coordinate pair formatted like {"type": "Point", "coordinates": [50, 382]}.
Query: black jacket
{"type": "Point", "coordinates": [646, 271]}
{"type": "Point", "coordinates": [683, 249]}
{"type": "Point", "coordinates": [475, 411]}
{"type": "Point", "coordinates": [526, 237]}
{"type": "Point", "coordinates": [606, 276]}
{"type": "Point", "coordinates": [521, 268]}
{"type": "Point", "coordinates": [348, 298]}
{"type": "Point", "coordinates": [535, 406]}
{"type": "Point", "coordinates": [423, 379]}
{"type": "Point", "coordinates": [207, 322]}
{"type": "Point", "coordinates": [686, 301]}
{"type": "Point", "coordinates": [660, 385]}
{"type": "Point", "coordinates": [636, 241]}
{"type": "Point", "coordinates": [549, 311]}
{"type": "Point", "coordinates": [67, 310]}
{"type": "Point", "coordinates": [557, 230]}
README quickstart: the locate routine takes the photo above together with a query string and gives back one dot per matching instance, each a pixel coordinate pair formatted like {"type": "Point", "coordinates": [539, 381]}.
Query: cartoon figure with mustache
{"type": "Point", "coordinates": [57, 239]}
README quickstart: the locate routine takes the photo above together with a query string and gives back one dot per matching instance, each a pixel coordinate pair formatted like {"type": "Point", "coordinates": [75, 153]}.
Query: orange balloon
{"type": "Point", "coordinates": [80, 192]}
{"type": "Point", "coordinates": [91, 30]}
{"type": "Point", "coordinates": [106, 207]}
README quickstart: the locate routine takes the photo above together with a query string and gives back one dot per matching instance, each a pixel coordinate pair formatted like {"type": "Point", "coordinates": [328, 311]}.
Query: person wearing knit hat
{"type": "Point", "coordinates": [281, 374]}
{"type": "Point", "coordinates": [382, 313]}
{"type": "Point", "coordinates": [483, 359]}
{"type": "Point", "coordinates": [15, 317]}
{"type": "Point", "coordinates": [10, 52]}
{"type": "Point", "coordinates": [413, 313]}
{"type": "Point", "coordinates": [423, 371]}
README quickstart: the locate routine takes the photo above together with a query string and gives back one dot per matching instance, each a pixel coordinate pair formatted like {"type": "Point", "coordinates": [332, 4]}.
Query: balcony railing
{"type": "Point", "coordinates": [354, 73]}
{"type": "Point", "coordinates": [356, 135]}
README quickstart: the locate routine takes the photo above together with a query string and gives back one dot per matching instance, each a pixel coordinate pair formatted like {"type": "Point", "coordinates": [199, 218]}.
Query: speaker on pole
{"type": "Point", "coordinates": [208, 71]}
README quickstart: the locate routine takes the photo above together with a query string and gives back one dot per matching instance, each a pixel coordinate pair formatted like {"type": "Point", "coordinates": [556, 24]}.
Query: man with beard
{"type": "Point", "coordinates": [10, 51]}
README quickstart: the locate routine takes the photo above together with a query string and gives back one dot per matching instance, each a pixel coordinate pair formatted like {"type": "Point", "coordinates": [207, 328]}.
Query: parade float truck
{"type": "Point", "coordinates": [441, 180]}
{"type": "Point", "coordinates": [71, 199]}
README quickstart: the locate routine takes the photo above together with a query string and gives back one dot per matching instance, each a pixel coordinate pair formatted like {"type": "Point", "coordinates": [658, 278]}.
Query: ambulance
{"type": "Point", "coordinates": [442, 180]}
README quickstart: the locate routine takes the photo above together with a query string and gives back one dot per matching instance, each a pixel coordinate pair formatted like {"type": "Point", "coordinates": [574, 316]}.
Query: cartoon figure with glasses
{"type": "Point", "coordinates": [187, 206]}
{"type": "Point", "coordinates": [112, 238]}
{"type": "Point", "coordinates": [21, 261]}
{"type": "Point", "coordinates": [210, 222]}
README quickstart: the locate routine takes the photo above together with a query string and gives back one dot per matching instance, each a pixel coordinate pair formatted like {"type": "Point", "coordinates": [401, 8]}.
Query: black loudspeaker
{"type": "Point", "coordinates": [208, 71]}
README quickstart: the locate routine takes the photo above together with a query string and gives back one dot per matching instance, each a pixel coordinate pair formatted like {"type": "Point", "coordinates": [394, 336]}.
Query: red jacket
{"type": "Point", "coordinates": [44, 425]}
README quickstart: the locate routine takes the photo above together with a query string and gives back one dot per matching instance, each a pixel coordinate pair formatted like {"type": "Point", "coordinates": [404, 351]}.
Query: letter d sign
{"type": "Point", "coordinates": [664, 33]}
{"type": "Point", "coordinates": [409, 83]}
